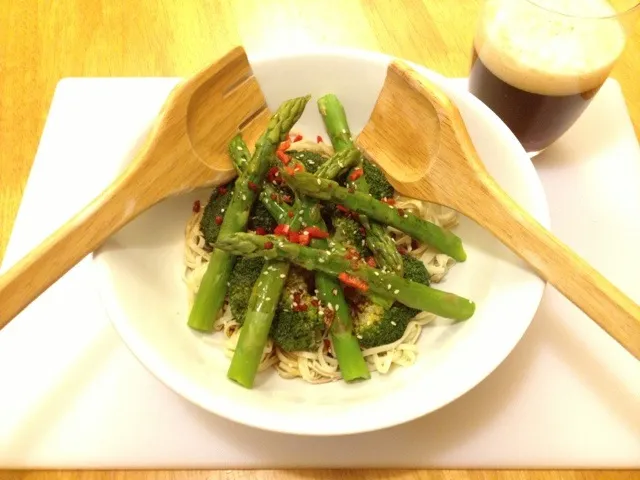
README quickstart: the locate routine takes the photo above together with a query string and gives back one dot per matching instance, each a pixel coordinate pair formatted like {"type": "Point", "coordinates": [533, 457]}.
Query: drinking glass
{"type": "Point", "coordinates": [538, 63]}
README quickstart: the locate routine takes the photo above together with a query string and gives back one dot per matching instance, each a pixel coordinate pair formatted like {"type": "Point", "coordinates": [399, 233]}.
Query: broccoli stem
{"type": "Point", "coordinates": [210, 296]}
{"type": "Point", "coordinates": [411, 294]}
{"type": "Point", "coordinates": [416, 227]}
{"type": "Point", "coordinates": [378, 240]}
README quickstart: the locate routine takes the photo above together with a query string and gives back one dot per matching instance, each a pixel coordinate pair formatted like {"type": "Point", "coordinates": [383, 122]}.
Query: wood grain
{"type": "Point", "coordinates": [325, 475]}
{"type": "Point", "coordinates": [445, 168]}
{"type": "Point", "coordinates": [43, 41]}
{"type": "Point", "coordinates": [187, 131]}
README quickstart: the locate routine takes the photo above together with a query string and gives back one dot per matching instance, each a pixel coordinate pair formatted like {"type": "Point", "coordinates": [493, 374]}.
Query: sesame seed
{"type": "Point", "coordinates": [282, 275]}
{"type": "Point", "coordinates": [334, 291]}
{"type": "Point", "coordinates": [337, 307]}
{"type": "Point", "coordinates": [396, 292]}
{"type": "Point", "coordinates": [222, 210]}
{"type": "Point", "coordinates": [319, 182]}
{"type": "Point", "coordinates": [265, 273]}
{"type": "Point", "coordinates": [239, 148]}
{"type": "Point", "coordinates": [268, 299]}
{"type": "Point", "coordinates": [320, 313]}
{"type": "Point", "coordinates": [244, 197]}
{"type": "Point", "coordinates": [359, 337]}
{"type": "Point", "coordinates": [300, 212]}
{"type": "Point", "coordinates": [330, 306]}
{"type": "Point", "coordinates": [344, 130]}
{"type": "Point", "coordinates": [228, 284]}
{"type": "Point", "coordinates": [388, 286]}
{"type": "Point", "coordinates": [341, 165]}
{"type": "Point", "coordinates": [377, 274]}
{"type": "Point", "coordinates": [311, 162]}
{"type": "Point", "coordinates": [321, 260]}
{"type": "Point", "coordinates": [294, 304]}
{"type": "Point", "coordinates": [393, 323]}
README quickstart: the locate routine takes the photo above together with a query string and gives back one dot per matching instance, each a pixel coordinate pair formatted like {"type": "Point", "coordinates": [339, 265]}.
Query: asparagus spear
{"type": "Point", "coordinates": [210, 296]}
{"type": "Point", "coordinates": [239, 153]}
{"type": "Point", "coordinates": [345, 344]}
{"type": "Point", "coordinates": [418, 228]}
{"type": "Point", "coordinates": [412, 294]}
{"type": "Point", "coordinates": [266, 293]}
{"type": "Point", "coordinates": [378, 240]}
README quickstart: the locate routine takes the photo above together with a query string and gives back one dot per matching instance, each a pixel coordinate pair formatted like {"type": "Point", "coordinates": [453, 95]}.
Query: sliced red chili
{"type": "Point", "coordinates": [268, 245]}
{"type": "Point", "coordinates": [283, 157]}
{"type": "Point", "coordinates": [252, 186]}
{"type": "Point", "coordinates": [196, 206]}
{"type": "Point", "coordinates": [274, 197]}
{"type": "Point", "coordinates": [319, 139]}
{"type": "Point", "coordinates": [316, 232]}
{"type": "Point", "coordinates": [356, 174]}
{"type": "Point", "coordinates": [402, 250]}
{"type": "Point", "coordinates": [290, 171]}
{"type": "Point", "coordinates": [354, 282]}
{"type": "Point", "coordinates": [342, 208]}
{"type": "Point", "coordinates": [290, 214]}
{"type": "Point", "coordinates": [362, 230]}
{"type": "Point", "coordinates": [371, 262]}
{"type": "Point", "coordinates": [260, 231]}
{"type": "Point", "coordinates": [218, 220]}
{"type": "Point", "coordinates": [294, 237]}
{"type": "Point", "coordinates": [351, 190]}
{"type": "Point", "coordinates": [284, 146]}
{"type": "Point", "coordinates": [222, 190]}
{"type": "Point", "coordinates": [301, 308]}
{"type": "Point", "coordinates": [315, 302]}
{"type": "Point", "coordinates": [328, 316]}
{"type": "Point", "coordinates": [287, 199]}
{"type": "Point", "coordinates": [304, 239]}
{"type": "Point", "coordinates": [297, 138]}
{"type": "Point", "coordinates": [282, 229]}
{"type": "Point", "coordinates": [298, 167]}
{"type": "Point", "coordinates": [389, 201]}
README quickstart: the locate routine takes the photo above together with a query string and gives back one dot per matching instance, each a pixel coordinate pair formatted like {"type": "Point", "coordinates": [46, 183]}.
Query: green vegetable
{"type": "Point", "coordinates": [297, 325]}
{"type": "Point", "coordinates": [411, 294]}
{"type": "Point", "coordinates": [245, 273]}
{"type": "Point", "coordinates": [210, 296]}
{"type": "Point", "coordinates": [311, 160]}
{"type": "Point", "coordinates": [261, 218]}
{"type": "Point", "coordinates": [376, 182]}
{"type": "Point", "coordinates": [277, 210]}
{"type": "Point", "coordinates": [376, 325]}
{"type": "Point", "coordinates": [345, 345]}
{"type": "Point", "coordinates": [349, 233]}
{"type": "Point", "coordinates": [414, 226]}
{"type": "Point", "coordinates": [371, 181]}
{"type": "Point", "coordinates": [216, 207]}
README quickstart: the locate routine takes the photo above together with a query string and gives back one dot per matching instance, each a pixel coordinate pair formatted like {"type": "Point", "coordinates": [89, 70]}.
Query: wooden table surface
{"type": "Point", "coordinates": [42, 41]}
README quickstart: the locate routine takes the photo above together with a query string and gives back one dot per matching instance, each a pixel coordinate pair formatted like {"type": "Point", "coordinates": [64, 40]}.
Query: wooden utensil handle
{"type": "Point", "coordinates": [43, 266]}
{"type": "Point", "coordinates": [615, 312]}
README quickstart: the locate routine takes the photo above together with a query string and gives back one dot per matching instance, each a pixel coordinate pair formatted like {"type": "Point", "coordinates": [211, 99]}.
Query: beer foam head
{"type": "Point", "coordinates": [532, 47]}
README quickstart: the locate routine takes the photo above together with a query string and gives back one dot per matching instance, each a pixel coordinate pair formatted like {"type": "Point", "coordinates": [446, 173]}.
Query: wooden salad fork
{"type": "Point", "coordinates": [417, 135]}
{"type": "Point", "coordinates": [186, 150]}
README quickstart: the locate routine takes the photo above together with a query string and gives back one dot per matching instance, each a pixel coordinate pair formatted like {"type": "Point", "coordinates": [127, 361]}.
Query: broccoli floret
{"type": "Point", "coordinates": [245, 273]}
{"type": "Point", "coordinates": [297, 325]}
{"type": "Point", "coordinates": [310, 160]}
{"type": "Point", "coordinates": [261, 218]}
{"type": "Point", "coordinates": [379, 186]}
{"type": "Point", "coordinates": [350, 233]}
{"type": "Point", "coordinates": [218, 203]}
{"type": "Point", "coordinates": [375, 326]}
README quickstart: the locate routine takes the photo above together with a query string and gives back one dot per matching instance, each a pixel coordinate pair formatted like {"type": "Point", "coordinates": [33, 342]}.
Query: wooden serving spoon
{"type": "Point", "coordinates": [419, 138]}
{"type": "Point", "coordinates": [186, 150]}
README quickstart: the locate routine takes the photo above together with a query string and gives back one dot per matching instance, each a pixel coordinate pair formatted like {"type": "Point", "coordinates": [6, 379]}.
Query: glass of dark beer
{"type": "Point", "coordinates": [538, 63]}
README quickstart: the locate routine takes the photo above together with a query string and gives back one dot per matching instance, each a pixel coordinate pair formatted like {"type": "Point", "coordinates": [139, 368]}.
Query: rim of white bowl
{"type": "Point", "coordinates": [177, 382]}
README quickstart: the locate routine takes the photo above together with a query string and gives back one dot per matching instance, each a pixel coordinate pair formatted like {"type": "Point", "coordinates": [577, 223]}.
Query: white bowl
{"type": "Point", "coordinates": [139, 273]}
